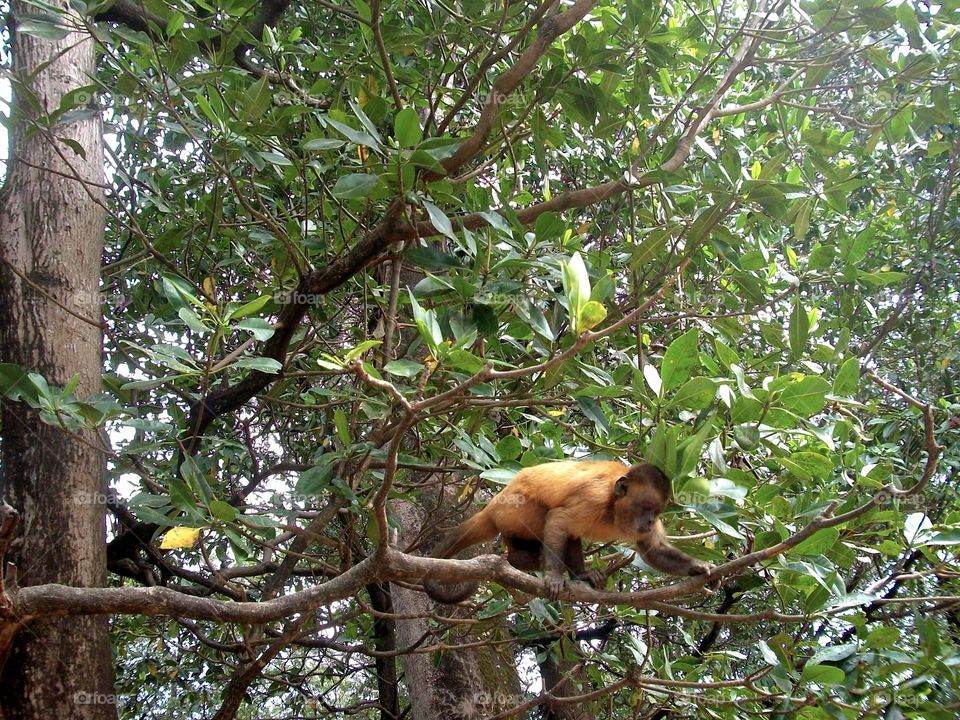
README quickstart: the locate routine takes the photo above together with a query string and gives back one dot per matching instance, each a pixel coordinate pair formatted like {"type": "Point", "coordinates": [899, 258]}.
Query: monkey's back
{"type": "Point", "coordinates": [583, 486]}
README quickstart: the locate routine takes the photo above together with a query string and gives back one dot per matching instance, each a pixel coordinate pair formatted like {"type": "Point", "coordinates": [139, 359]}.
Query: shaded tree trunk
{"type": "Point", "coordinates": [51, 235]}
{"type": "Point", "coordinates": [466, 684]}
{"type": "Point", "coordinates": [563, 678]}
{"type": "Point", "coordinates": [385, 640]}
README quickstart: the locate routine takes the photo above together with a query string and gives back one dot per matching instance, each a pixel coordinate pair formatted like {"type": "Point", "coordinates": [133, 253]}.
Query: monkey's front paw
{"type": "Point", "coordinates": [555, 585]}
{"type": "Point", "coordinates": [702, 568]}
{"type": "Point", "coordinates": [699, 568]}
{"type": "Point", "coordinates": [597, 579]}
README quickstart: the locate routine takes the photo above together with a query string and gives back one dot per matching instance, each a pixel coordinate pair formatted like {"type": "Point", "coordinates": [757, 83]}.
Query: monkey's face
{"type": "Point", "coordinates": [638, 502]}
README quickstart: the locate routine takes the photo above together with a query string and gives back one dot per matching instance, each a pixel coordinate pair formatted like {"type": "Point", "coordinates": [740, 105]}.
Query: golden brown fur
{"type": "Point", "coordinates": [546, 511]}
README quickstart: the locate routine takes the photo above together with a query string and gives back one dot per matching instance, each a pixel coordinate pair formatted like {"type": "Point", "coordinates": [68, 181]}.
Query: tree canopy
{"type": "Point", "coordinates": [370, 256]}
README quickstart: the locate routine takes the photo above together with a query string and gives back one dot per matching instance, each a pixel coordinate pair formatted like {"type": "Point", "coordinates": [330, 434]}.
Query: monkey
{"type": "Point", "coordinates": [546, 510]}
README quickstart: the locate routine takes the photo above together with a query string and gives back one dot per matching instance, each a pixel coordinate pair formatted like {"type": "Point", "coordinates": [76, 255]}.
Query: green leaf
{"type": "Point", "coordinates": [821, 257]}
{"type": "Point", "coordinates": [879, 279]}
{"type": "Point", "coordinates": [427, 324]}
{"type": "Point", "coordinates": [248, 308]}
{"type": "Point", "coordinates": [679, 359]}
{"type": "Point", "coordinates": [692, 447]}
{"type": "Point", "coordinates": [799, 329]}
{"type": "Point", "coordinates": [314, 481]}
{"type": "Point", "coordinates": [848, 378]}
{"type": "Point", "coordinates": [747, 436]}
{"type": "Point", "coordinates": [403, 368]}
{"type": "Point", "coordinates": [823, 674]}
{"type": "Point", "coordinates": [883, 637]}
{"type": "Point", "coordinates": [342, 425]}
{"type": "Point", "coordinates": [648, 250]}
{"type": "Point", "coordinates": [425, 160]}
{"type": "Point", "coordinates": [361, 349]}
{"type": "Point", "coordinates": [801, 222]}
{"type": "Point", "coordinates": [358, 137]}
{"type": "Point", "coordinates": [406, 127]}
{"type": "Point", "coordinates": [807, 396]}
{"type": "Point", "coordinates": [267, 365]}
{"type": "Point", "coordinates": [257, 98]}
{"type": "Point", "coordinates": [223, 511]}
{"type": "Point", "coordinates": [808, 465]}
{"type": "Point", "coordinates": [44, 26]}
{"type": "Point", "coordinates": [509, 448]}
{"type": "Point", "coordinates": [192, 320]}
{"type": "Point", "coordinates": [705, 223]}
{"type": "Point", "coordinates": [576, 286]}
{"type": "Point", "coordinates": [697, 393]}
{"type": "Point", "coordinates": [465, 360]}
{"type": "Point", "coordinates": [692, 491]}
{"type": "Point", "coordinates": [354, 187]}
{"type": "Point", "coordinates": [817, 544]}
{"type": "Point", "coordinates": [179, 292]}
{"type": "Point", "coordinates": [863, 241]}
{"type": "Point", "coordinates": [769, 197]}
{"type": "Point", "coordinates": [365, 121]}
{"type": "Point", "coordinates": [258, 327]}
{"type": "Point", "coordinates": [439, 220]}
{"type": "Point", "coordinates": [319, 144]}
{"type": "Point", "coordinates": [725, 354]}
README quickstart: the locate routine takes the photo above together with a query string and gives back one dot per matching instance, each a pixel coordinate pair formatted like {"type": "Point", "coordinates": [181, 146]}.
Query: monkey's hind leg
{"type": "Point", "coordinates": [574, 560]}
{"type": "Point", "coordinates": [523, 554]}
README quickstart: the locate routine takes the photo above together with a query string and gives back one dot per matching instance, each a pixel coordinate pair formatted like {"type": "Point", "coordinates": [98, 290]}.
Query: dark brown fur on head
{"type": "Point", "coordinates": [639, 496]}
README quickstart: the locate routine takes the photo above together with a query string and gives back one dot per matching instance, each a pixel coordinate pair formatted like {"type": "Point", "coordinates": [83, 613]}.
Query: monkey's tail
{"type": "Point", "coordinates": [478, 529]}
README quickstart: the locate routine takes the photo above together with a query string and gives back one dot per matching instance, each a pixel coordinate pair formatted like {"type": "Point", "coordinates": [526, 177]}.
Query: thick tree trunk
{"type": "Point", "coordinates": [469, 683]}
{"type": "Point", "coordinates": [561, 679]}
{"type": "Point", "coordinates": [51, 235]}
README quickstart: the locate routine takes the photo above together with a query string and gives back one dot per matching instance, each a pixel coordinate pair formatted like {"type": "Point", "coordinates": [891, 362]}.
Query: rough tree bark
{"type": "Point", "coordinates": [467, 683]}
{"type": "Point", "coordinates": [51, 235]}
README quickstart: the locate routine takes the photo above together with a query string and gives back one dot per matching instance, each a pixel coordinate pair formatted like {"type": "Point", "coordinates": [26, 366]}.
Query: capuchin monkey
{"type": "Point", "coordinates": [546, 511]}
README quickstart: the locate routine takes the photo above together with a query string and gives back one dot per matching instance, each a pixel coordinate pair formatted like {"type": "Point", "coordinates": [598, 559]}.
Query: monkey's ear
{"type": "Point", "coordinates": [620, 489]}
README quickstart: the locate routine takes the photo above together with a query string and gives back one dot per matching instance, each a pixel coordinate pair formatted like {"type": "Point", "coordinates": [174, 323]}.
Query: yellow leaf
{"type": "Point", "coordinates": [210, 288]}
{"type": "Point", "coordinates": [755, 169]}
{"type": "Point", "coordinates": [556, 413]}
{"type": "Point", "coordinates": [945, 362]}
{"type": "Point", "coordinates": [716, 135]}
{"type": "Point", "coordinates": [635, 145]}
{"type": "Point", "coordinates": [180, 537]}
{"type": "Point", "coordinates": [362, 153]}
{"type": "Point", "coordinates": [591, 315]}
{"type": "Point", "coordinates": [468, 487]}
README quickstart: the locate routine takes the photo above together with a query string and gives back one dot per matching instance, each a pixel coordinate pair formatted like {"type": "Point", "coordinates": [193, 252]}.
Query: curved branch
{"type": "Point", "coordinates": [550, 29]}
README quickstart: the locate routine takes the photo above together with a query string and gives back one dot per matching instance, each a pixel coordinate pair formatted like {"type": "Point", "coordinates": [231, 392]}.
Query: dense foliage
{"type": "Point", "coordinates": [718, 236]}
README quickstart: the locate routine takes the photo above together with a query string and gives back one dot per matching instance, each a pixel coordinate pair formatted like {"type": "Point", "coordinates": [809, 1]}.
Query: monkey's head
{"type": "Point", "coordinates": [639, 497]}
